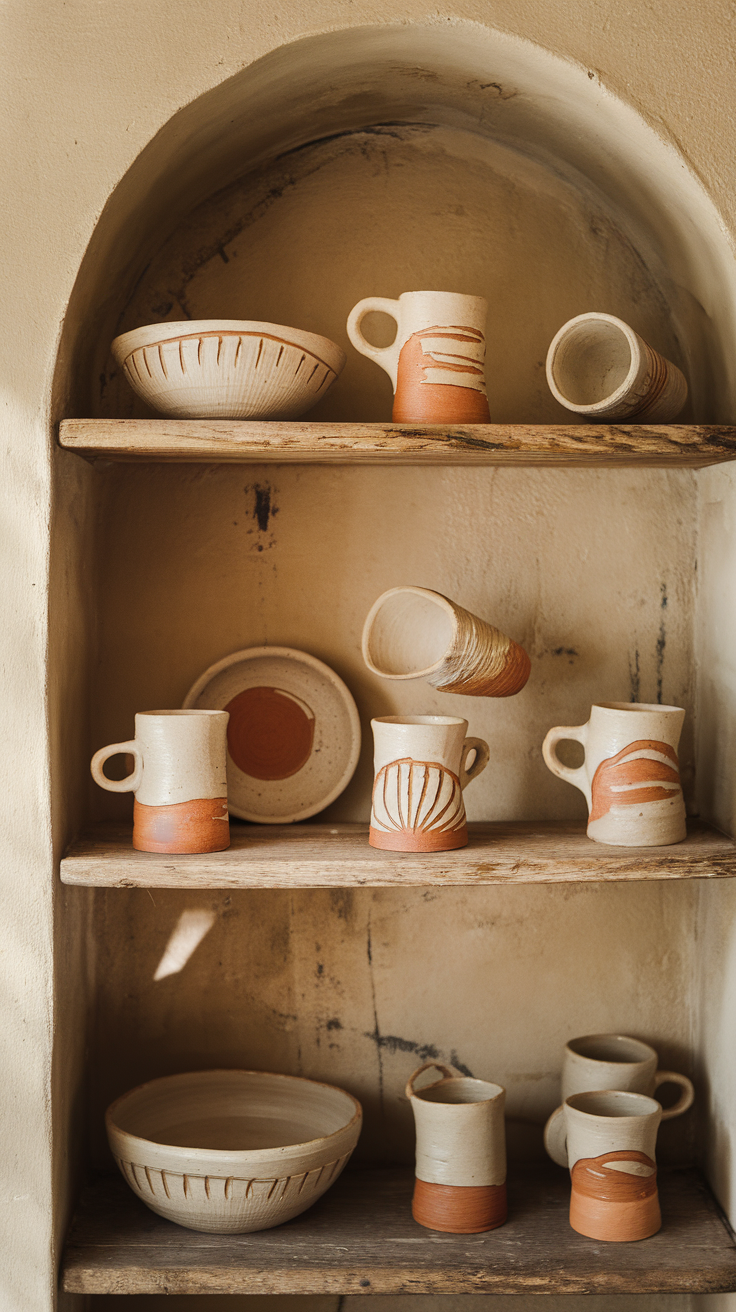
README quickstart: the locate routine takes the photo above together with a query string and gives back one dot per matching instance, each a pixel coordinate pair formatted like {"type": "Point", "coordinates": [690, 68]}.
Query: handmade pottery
{"type": "Point", "coordinates": [228, 368]}
{"type": "Point", "coordinates": [610, 1061]}
{"type": "Point", "coordinates": [630, 777]}
{"type": "Point", "coordinates": [436, 362]}
{"type": "Point", "coordinates": [611, 1137]}
{"type": "Point", "coordinates": [414, 633]}
{"type": "Point", "coordinates": [293, 735]}
{"type": "Point", "coordinates": [598, 366]}
{"type": "Point", "coordinates": [229, 1152]}
{"type": "Point", "coordinates": [179, 780]}
{"type": "Point", "coordinates": [460, 1182]}
{"type": "Point", "coordinates": [420, 773]}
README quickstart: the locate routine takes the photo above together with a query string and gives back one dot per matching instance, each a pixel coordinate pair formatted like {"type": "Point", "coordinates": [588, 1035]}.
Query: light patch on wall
{"type": "Point", "coordinates": [185, 938]}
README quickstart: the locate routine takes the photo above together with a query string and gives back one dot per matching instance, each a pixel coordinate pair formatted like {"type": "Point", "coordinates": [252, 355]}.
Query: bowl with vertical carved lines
{"type": "Point", "coordinates": [228, 368]}
{"type": "Point", "coordinates": [230, 1152]}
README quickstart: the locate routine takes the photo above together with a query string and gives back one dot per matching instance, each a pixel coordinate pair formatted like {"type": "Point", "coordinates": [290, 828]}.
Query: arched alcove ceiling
{"type": "Point", "coordinates": [457, 74]}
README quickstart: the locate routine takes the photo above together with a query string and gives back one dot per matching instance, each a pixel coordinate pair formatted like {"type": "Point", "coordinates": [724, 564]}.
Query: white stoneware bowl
{"type": "Point", "coordinates": [228, 368]}
{"type": "Point", "coordinates": [293, 735]}
{"type": "Point", "coordinates": [232, 1151]}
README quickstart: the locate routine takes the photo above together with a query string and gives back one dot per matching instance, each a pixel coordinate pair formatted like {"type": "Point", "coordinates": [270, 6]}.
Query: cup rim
{"type": "Point", "coordinates": [636, 706]}
{"type": "Point", "coordinates": [194, 711]}
{"type": "Point", "coordinates": [618, 393]}
{"type": "Point", "coordinates": [624, 1038]}
{"type": "Point", "coordinates": [632, 1106]}
{"type": "Point", "coordinates": [497, 1090]}
{"type": "Point", "coordinates": [426, 721]}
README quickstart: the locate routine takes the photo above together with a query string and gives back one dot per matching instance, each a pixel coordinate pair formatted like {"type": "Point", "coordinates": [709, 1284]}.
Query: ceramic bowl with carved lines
{"type": "Point", "coordinates": [228, 368]}
{"type": "Point", "coordinates": [230, 1152]}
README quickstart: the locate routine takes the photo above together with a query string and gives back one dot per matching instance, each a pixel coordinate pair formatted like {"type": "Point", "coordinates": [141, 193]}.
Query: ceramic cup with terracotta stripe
{"type": "Point", "coordinates": [630, 777]}
{"type": "Point", "coordinates": [179, 780]}
{"type": "Point", "coordinates": [610, 1061]}
{"type": "Point", "coordinates": [436, 362]}
{"type": "Point", "coordinates": [611, 1137]}
{"type": "Point", "coordinates": [460, 1184]}
{"type": "Point", "coordinates": [598, 366]}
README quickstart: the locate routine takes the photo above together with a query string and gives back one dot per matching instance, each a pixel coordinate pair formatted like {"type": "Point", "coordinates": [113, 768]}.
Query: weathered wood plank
{"type": "Point", "coordinates": [328, 856]}
{"type": "Point", "coordinates": [667, 445]}
{"type": "Point", "coordinates": [361, 1239]}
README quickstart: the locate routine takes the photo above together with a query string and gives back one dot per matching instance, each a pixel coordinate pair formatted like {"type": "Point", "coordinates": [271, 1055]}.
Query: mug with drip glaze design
{"type": "Point", "coordinates": [436, 362]}
{"type": "Point", "coordinates": [610, 1061]}
{"type": "Point", "coordinates": [630, 777]}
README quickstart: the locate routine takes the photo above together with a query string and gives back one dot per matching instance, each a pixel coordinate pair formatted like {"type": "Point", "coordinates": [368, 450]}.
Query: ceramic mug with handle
{"type": "Point", "coordinates": [610, 1061]}
{"type": "Point", "coordinates": [630, 777]}
{"type": "Point", "coordinates": [436, 362]}
{"type": "Point", "coordinates": [179, 780]}
{"type": "Point", "coordinates": [611, 1137]}
{"type": "Point", "coordinates": [421, 768]}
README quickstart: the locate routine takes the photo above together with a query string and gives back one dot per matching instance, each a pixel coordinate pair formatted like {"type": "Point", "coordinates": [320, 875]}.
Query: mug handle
{"type": "Point", "coordinates": [386, 356]}
{"type": "Point", "coordinates": [555, 1136]}
{"type": "Point", "coordinates": [686, 1098]}
{"type": "Point", "coordinates": [578, 733]}
{"type": "Point", "coordinates": [132, 782]}
{"type": "Point", "coordinates": [447, 1074]}
{"type": "Point", "coordinates": [482, 757]}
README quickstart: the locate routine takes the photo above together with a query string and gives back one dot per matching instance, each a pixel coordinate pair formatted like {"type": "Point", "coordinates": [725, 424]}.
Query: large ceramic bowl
{"type": "Point", "coordinates": [232, 1151]}
{"type": "Point", "coordinates": [228, 368]}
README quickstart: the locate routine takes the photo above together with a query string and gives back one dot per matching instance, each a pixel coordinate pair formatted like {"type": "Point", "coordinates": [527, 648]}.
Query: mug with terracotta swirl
{"type": "Point", "coordinates": [630, 777]}
{"type": "Point", "coordinates": [611, 1137]}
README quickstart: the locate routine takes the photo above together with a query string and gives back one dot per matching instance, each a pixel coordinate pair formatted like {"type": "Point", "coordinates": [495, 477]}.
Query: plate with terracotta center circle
{"type": "Point", "coordinates": [293, 736]}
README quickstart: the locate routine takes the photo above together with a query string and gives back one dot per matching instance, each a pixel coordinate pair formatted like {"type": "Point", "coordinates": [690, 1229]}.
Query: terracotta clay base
{"type": "Point", "coordinates": [459, 1209]}
{"type": "Point", "coordinates": [412, 840]}
{"type": "Point", "coordinates": [198, 826]}
{"type": "Point", "coordinates": [616, 1222]}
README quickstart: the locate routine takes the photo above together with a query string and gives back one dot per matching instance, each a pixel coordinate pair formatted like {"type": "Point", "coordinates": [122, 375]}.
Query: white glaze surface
{"type": "Point", "coordinates": [461, 1137]}
{"type": "Point", "coordinates": [179, 757]}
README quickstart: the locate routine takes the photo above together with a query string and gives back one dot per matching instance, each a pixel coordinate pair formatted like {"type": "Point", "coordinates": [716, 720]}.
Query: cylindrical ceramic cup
{"type": "Point", "coordinates": [460, 1182]}
{"type": "Point", "coordinates": [630, 777]}
{"type": "Point", "coordinates": [436, 362]}
{"type": "Point", "coordinates": [598, 366]}
{"type": "Point", "coordinates": [179, 780]}
{"type": "Point", "coordinates": [611, 1138]}
{"type": "Point", "coordinates": [420, 764]}
{"type": "Point", "coordinates": [414, 633]}
{"type": "Point", "coordinates": [610, 1061]}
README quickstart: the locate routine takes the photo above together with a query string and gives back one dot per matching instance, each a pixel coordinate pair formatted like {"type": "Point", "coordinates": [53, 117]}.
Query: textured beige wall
{"type": "Point", "coordinates": [83, 90]}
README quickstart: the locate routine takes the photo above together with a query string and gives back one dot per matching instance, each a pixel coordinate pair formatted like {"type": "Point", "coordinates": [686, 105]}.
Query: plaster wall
{"type": "Point", "coordinates": [84, 89]}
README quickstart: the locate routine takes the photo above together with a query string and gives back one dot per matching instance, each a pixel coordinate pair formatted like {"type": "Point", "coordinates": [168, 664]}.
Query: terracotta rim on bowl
{"type": "Point", "coordinates": [323, 348]}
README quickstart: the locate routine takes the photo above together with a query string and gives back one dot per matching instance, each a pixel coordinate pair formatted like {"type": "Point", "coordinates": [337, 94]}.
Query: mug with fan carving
{"type": "Point", "coordinates": [421, 768]}
{"type": "Point", "coordinates": [630, 777]}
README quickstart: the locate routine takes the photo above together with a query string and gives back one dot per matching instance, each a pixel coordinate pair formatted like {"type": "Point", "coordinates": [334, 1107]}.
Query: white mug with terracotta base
{"type": "Point", "coordinates": [610, 1061]}
{"type": "Point", "coordinates": [179, 780]}
{"type": "Point", "coordinates": [460, 1184]}
{"type": "Point", "coordinates": [436, 362]}
{"type": "Point", "coordinates": [630, 777]}
{"type": "Point", "coordinates": [611, 1138]}
{"type": "Point", "coordinates": [421, 769]}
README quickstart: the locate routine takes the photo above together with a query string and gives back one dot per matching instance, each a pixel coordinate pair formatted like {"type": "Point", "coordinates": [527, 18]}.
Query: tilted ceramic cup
{"type": "Point", "coordinates": [611, 1137]}
{"type": "Point", "coordinates": [598, 366]}
{"type": "Point", "coordinates": [610, 1061]}
{"type": "Point", "coordinates": [179, 780]}
{"type": "Point", "coordinates": [420, 773]}
{"type": "Point", "coordinates": [436, 362]}
{"type": "Point", "coordinates": [460, 1184]}
{"type": "Point", "coordinates": [414, 633]}
{"type": "Point", "coordinates": [630, 777]}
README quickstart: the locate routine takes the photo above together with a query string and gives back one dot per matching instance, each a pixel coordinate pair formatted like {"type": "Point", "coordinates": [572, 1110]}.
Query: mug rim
{"type": "Point", "coordinates": [193, 711]}
{"type": "Point", "coordinates": [613, 1061]}
{"type": "Point", "coordinates": [498, 1089]}
{"type": "Point", "coordinates": [430, 721]}
{"type": "Point", "coordinates": [636, 706]}
{"type": "Point", "coordinates": [639, 1105]}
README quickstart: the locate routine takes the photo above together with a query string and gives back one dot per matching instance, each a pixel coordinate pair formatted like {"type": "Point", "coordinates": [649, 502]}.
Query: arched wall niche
{"type": "Point", "coordinates": [495, 98]}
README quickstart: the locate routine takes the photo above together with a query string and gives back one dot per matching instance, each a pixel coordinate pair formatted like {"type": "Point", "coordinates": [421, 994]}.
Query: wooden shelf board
{"type": "Point", "coordinates": [665, 445]}
{"type": "Point", "coordinates": [361, 1239]}
{"type": "Point", "coordinates": [338, 856]}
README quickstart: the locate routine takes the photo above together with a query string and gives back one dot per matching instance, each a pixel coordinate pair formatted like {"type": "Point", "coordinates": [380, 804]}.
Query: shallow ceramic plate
{"type": "Point", "coordinates": [294, 733]}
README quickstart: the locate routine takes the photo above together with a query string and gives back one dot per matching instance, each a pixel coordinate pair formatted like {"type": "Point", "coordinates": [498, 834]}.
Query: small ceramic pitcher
{"type": "Point", "coordinates": [179, 780]}
{"type": "Point", "coordinates": [610, 1061]}
{"type": "Point", "coordinates": [436, 362]}
{"type": "Point", "coordinates": [611, 1138]}
{"type": "Point", "coordinates": [414, 633]}
{"type": "Point", "coordinates": [460, 1184]}
{"type": "Point", "coordinates": [630, 777]}
{"type": "Point", "coordinates": [420, 774]}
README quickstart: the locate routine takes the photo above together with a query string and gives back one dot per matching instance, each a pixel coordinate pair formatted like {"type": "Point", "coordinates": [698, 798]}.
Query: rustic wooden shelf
{"type": "Point", "coordinates": [559, 445]}
{"type": "Point", "coordinates": [361, 1239]}
{"type": "Point", "coordinates": [338, 856]}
